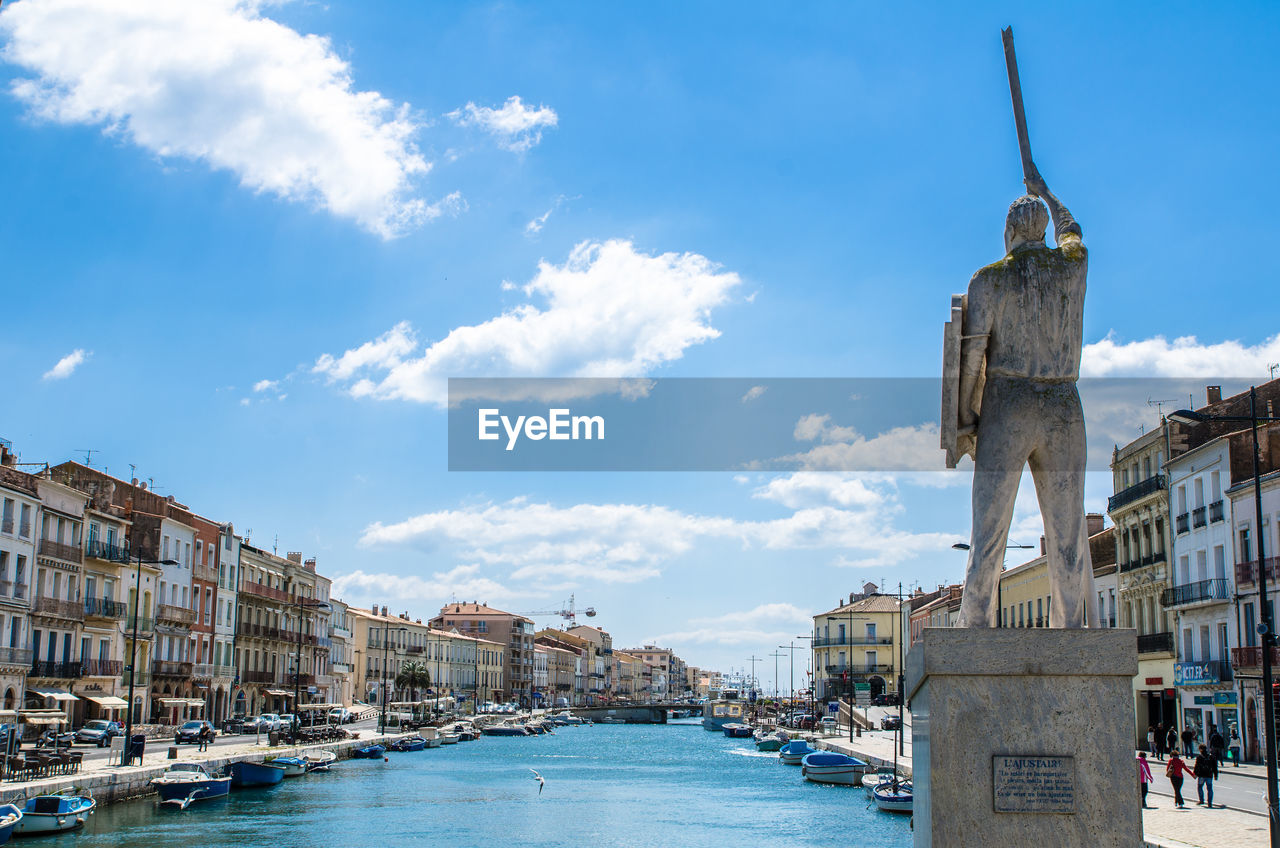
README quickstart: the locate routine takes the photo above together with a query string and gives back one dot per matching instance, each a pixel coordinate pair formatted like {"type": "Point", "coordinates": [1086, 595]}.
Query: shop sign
{"type": "Point", "coordinates": [1155, 681]}
{"type": "Point", "coordinates": [1195, 674]}
{"type": "Point", "coordinates": [1204, 700]}
{"type": "Point", "coordinates": [1224, 699]}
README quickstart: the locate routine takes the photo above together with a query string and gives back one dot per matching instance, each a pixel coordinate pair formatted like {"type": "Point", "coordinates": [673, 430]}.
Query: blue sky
{"type": "Point", "coordinates": [341, 205]}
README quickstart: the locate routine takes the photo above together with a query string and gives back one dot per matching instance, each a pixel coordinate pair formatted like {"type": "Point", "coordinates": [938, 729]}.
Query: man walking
{"type": "Point", "coordinates": [1189, 741]}
{"type": "Point", "coordinates": [1171, 741]}
{"type": "Point", "coordinates": [1217, 745]}
{"type": "Point", "coordinates": [1159, 742]}
{"type": "Point", "coordinates": [1206, 769]}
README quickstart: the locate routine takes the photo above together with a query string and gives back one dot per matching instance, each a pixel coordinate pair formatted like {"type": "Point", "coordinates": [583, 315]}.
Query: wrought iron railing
{"type": "Point", "coordinates": [58, 608]}
{"type": "Point", "coordinates": [834, 641]}
{"type": "Point", "coordinates": [106, 551]}
{"type": "Point", "coordinates": [1138, 490]}
{"type": "Point", "coordinates": [1155, 643]}
{"type": "Point", "coordinates": [104, 608]}
{"type": "Point", "coordinates": [170, 668]}
{"type": "Point", "coordinates": [64, 670]}
{"type": "Point", "coordinates": [1217, 589]}
{"type": "Point", "coordinates": [1198, 517]}
{"type": "Point", "coordinates": [1251, 657]}
{"type": "Point", "coordinates": [1183, 523]}
{"type": "Point", "coordinates": [1215, 511]}
{"type": "Point", "coordinates": [60, 550]}
{"type": "Point", "coordinates": [1247, 572]}
{"type": "Point", "coordinates": [101, 668]}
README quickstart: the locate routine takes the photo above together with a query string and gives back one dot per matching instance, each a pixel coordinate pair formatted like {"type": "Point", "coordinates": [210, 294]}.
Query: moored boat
{"type": "Point", "coordinates": [369, 752]}
{"type": "Point", "coordinates": [293, 766]}
{"type": "Point", "coordinates": [794, 752]}
{"type": "Point", "coordinates": [832, 767]}
{"type": "Point", "coordinates": [505, 730]}
{"type": "Point", "coordinates": [771, 741]}
{"type": "Point", "coordinates": [54, 814]}
{"type": "Point", "coordinates": [734, 730]}
{"type": "Point", "coordinates": [448, 738]}
{"type": "Point", "coordinates": [408, 743]}
{"type": "Point", "coordinates": [895, 796]}
{"type": "Point", "coordinates": [10, 815]}
{"type": "Point", "coordinates": [872, 779]}
{"type": "Point", "coordinates": [187, 782]}
{"type": "Point", "coordinates": [727, 709]}
{"type": "Point", "coordinates": [319, 760]}
{"type": "Point", "coordinates": [247, 774]}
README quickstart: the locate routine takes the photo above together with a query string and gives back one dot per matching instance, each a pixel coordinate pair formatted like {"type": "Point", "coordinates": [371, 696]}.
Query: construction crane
{"type": "Point", "coordinates": [568, 612]}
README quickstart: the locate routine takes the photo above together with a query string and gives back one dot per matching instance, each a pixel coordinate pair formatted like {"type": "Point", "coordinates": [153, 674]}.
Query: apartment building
{"type": "Point", "coordinates": [57, 610]}
{"type": "Point", "coordinates": [855, 646]}
{"type": "Point", "coordinates": [19, 506]}
{"type": "Point", "coordinates": [513, 632]}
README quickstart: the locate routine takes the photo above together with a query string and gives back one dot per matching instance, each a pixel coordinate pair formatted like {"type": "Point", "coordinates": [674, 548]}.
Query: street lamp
{"type": "Point", "coordinates": [1267, 628]}
{"type": "Point", "coordinates": [382, 719]}
{"type": "Point", "coordinates": [126, 756]}
{"type": "Point", "coordinates": [964, 546]}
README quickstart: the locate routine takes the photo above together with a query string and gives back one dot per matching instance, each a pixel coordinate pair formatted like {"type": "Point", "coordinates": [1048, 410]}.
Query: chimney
{"type": "Point", "coordinates": [310, 565]}
{"type": "Point", "coordinates": [6, 456]}
{"type": "Point", "coordinates": [384, 611]}
{"type": "Point", "coordinates": [1093, 523]}
{"type": "Point", "coordinates": [294, 557]}
{"type": "Point", "coordinates": [1213, 394]}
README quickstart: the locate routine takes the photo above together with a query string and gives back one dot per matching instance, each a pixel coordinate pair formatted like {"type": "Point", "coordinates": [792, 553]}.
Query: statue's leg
{"type": "Point", "coordinates": [1057, 467]}
{"type": "Point", "coordinates": [998, 468]}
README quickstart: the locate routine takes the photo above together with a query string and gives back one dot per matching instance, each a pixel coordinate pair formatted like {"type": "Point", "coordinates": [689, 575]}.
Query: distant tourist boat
{"type": "Point", "coordinates": [794, 752]}
{"type": "Point", "coordinates": [245, 774]}
{"type": "Point", "coordinates": [369, 752]}
{"type": "Point", "coordinates": [293, 766]}
{"type": "Point", "coordinates": [895, 796]}
{"type": "Point", "coordinates": [53, 814]}
{"type": "Point", "coordinates": [187, 782]}
{"type": "Point", "coordinates": [831, 767]}
{"type": "Point", "coordinates": [725, 710]}
{"type": "Point", "coordinates": [10, 815]}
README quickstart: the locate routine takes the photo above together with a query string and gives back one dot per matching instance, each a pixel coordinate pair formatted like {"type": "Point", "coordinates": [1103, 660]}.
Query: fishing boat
{"type": "Point", "coordinates": [794, 752]}
{"type": "Point", "coordinates": [293, 766]}
{"type": "Point", "coordinates": [894, 796]}
{"type": "Point", "coordinates": [724, 710]}
{"type": "Point", "coordinates": [734, 730]}
{"type": "Point", "coordinates": [772, 741]}
{"type": "Point", "coordinates": [10, 815]}
{"type": "Point", "coordinates": [245, 774]}
{"type": "Point", "coordinates": [430, 736]}
{"type": "Point", "coordinates": [53, 814]}
{"type": "Point", "coordinates": [187, 782]}
{"type": "Point", "coordinates": [505, 730]}
{"type": "Point", "coordinates": [319, 760]}
{"type": "Point", "coordinates": [832, 767]}
{"type": "Point", "coordinates": [369, 752]}
{"type": "Point", "coordinates": [872, 779]}
{"type": "Point", "coordinates": [448, 738]}
{"type": "Point", "coordinates": [408, 743]}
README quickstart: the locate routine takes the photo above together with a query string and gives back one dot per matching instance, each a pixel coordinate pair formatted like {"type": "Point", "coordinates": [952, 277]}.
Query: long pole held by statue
{"type": "Point", "coordinates": [1015, 93]}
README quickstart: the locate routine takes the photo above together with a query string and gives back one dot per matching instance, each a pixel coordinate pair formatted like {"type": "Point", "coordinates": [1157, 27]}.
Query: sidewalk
{"type": "Point", "coordinates": [1164, 826]}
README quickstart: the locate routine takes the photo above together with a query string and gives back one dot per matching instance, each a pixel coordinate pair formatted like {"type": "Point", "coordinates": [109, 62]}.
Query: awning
{"type": "Point", "coordinates": [173, 702]}
{"type": "Point", "coordinates": [194, 703]}
{"type": "Point", "coordinates": [42, 716]}
{"type": "Point", "coordinates": [280, 693]}
{"type": "Point", "coordinates": [302, 707]}
{"type": "Point", "coordinates": [108, 701]}
{"type": "Point", "coordinates": [56, 694]}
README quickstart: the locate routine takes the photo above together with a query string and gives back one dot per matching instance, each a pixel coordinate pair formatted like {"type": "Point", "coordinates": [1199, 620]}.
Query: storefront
{"type": "Point", "coordinates": [1207, 703]}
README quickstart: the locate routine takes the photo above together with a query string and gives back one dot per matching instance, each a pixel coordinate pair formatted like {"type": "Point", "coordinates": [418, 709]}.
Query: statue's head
{"type": "Point", "coordinates": [1026, 222]}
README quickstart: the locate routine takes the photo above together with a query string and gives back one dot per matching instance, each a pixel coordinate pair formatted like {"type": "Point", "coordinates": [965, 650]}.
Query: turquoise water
{"type": "Point", "coordinates": [607, 786]}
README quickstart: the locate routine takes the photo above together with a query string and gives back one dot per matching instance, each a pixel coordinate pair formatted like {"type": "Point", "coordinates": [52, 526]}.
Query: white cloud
{"type": "Point", "coordinates": [754, 393]}
{"type": "Point", "coordinates": [908, 448]}
{"type": "Point", "coordinates": [1183, 357]}
{"type": "Point", "coordinates": [768, 623]}
{"type": "Point", "coordinates": [610, 311]}
{"type": "Point", "coordinates": [464, 581]}
{"type": "Point", "coordinates": [265, 385]}
{"type": "Point", "coordinates": [216, 81]}
{"type": "Point", "coordinates": [516, 126]}
{"type": "Point", "coordinates": [66, 365]}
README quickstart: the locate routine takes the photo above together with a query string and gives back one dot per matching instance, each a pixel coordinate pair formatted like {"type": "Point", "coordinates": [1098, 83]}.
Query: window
{"type": "Point", "coordinates": [164, 548]}
{"type": "Point", "coordinates": [24, 525]}
{"type": "Point", "coordinates": [1039, 613]}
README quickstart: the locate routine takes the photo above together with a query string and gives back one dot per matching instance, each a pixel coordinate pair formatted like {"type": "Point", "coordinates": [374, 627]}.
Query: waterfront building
{"type": "Point", "coordinates": [1246, 657]}
{"type": "Point", "coordinates": [514, 632]}
{"type": "Point", "coordinates": [307, 631]}
{"type": "Point", "coordinates": [204, 596]}
{"type": "Point", "coordinates": [224, 624]}
{"type": "Point", "coordinates": [561, 664]}
{"type": "Point", "coordinates": [174, 697]}
{"type": "Point", "coordinates": [939, 608]}
{"type": "Point", "coordinates": [490, 665]}
{"type": "Point", "coordinates": [262, 646]}
{"type": "Point", "coordinates": [627, 673]}
{"type": "Point", "coordinates": [389, 642]}
{"type": "Point", "coordinates": [341, 653]}
{"type": "Point", "coordinates": [57, 611]}
{"type": "Point", "coordinates": [855, 646]}
{"type": "Point", "coordinates": [20, 502]}
{"type": "Point", "coordinates": [667, 672]}
{"type": "Point", "coordinates": [600, 667]}
{"type": "Point", "coordinates": [583, 653]}
{"type": "Point", "coordinates": [105, 575]}
{"type": "Point", "coordinates": [1202, 591]}
{"type": "Point", "coordinates": [541, 693]}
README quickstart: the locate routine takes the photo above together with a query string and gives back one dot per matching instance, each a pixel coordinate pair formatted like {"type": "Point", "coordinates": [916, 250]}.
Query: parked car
{"type": "Point", "coordinates": [803, 721]}
{"type": "Point", "coordinates": [828, 724]}
{"type": "Point", "coordinates": [890, 723]}
{"type": "Point", "coordinates": [885, 699]}
{"type": "Point", "coordinates": [235, 724]}
{"type": "Point", "coordinates": [99, 732]}
{"type": "Point", "coordinates": [341, 715]}
{"type": "Point", "coordinates": [190, 732]}
{"type": "Point", "coordinates": [287, 722]}
{"type": "Point", "coordinates": [270, 721]}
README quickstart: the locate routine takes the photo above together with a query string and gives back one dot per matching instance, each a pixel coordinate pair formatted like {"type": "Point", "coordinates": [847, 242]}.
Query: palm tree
{"type": "Point", "coordinates": [413, 677]}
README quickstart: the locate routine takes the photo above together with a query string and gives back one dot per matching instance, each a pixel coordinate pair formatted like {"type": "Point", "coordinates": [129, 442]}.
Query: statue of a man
{"type": "Point", "coordinates": [1018, 405]}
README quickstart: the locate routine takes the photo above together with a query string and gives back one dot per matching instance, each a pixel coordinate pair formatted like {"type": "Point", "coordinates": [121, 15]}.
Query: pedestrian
{"type": "Point", "coordinates": [1235, 746]}
{"type": "Point", "coordinates": [1206, 769]}
{"type": "Point", "coordinates": [1159, 742]}
{"type": "Point", "coordinates": [1175, 771]}
{"type": "Point", "coordinates": [1144, 777]}
{"type": "Point", "coordinates": [1171, 740]}
{"type": "Point", "coordinates": [1189, 741]}
{"type": "Point", "coordinates": [1151, 739]}
{"type": "Point", "coordinates": [1217, 745]}
{"type": "Point", "coordinates": [204, 738]}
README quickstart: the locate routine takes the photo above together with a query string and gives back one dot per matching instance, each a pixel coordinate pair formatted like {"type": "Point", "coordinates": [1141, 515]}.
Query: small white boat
{"type": "Point", "coordinates": [894, 796]}
{"type": "Point", "coordinates": [448, 739]}
{"type": "Point", "coordinates": [10, 815]}
{"type": "Point", "coordinates": [54, 814]}
{"type": "Point", "coordinates": [872, 779]}
{"type": "Point", "coordinates": [293, 766]}
{"type": "Point", "coordinates": [319, 760]}
{"type": "Point", "coordinates": [832, 767]}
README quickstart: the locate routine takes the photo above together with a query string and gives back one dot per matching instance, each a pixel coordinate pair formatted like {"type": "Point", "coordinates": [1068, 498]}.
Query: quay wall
{"type": "Point", "coordinates": [121, 783]}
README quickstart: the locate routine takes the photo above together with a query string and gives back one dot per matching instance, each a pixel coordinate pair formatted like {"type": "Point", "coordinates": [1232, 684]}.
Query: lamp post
{"type": "Point", "coordinates": [964, 546]}
{"type": "Point", "coordinates": [126, 756]}
{"type": "Point", "coordinates": [1267, 628]}
{"type": "Point", "coordinates": [297, 662]}
{"type": "Point", "coordinates": [812, 711]}
{"type": "Point", "coordinates": [382, 719]}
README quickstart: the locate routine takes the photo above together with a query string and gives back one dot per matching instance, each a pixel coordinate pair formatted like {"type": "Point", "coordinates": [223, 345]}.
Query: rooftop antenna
{"type": "Point", "coordinates": [1272, 368]}
{"type": "Point", "coordinates": [1159, 403]}
{"type": "Point", "coordinates": [133, 471]}
{"type": "Point", "coordinates": [88, 455]}
{"type": "Point", "coordinates": [275, 543]}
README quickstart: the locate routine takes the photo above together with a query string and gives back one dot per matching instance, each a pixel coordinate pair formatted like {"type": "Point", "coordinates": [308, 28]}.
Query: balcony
{"type": "Point", "coordinates": [262, 590]}
{"type": "Point", "coordinates": [101, 668]}
{"type": "Point", "coordinates": [202, 671]}
{"type": "Point", "coordinates": [15, 656]}
{"type": "Point", "coordinates": [142, 679]}
{"type": "Point", "coordinates": [104, 608]}
{"type": "Point", "coordinates": [1251, 658]}
{"type": "Point", "coordinates": [58, 550]}
{"type": "Point", "coordinates": [259, 631]}
{"type": "Point", "coordinates": [1199, 517]}
{"type": "Point", "coordinates": [63, 670]}
{"type": "Point", "coordinates": [108, 552]}
{"type": "Point", "coordinates": [204, 572]}
{"type": "Point", "coordinates": [171, 614]}
{"type": "Point", "coordinates": [300, 680]}
{"type": "Point", "coordinates": [876, 668]}
{"type": "Point", "coordinates": [1155, 643]}
{"type": "Point", "coordinates": [144, 625]}
{"type": "Point", "coordinates": [1215, 512]}
{"type": "Point", "coordinates": [1206, 673]}
{"type": "Point", "coordinates": [1201, 591]}
{"type": "Point", "coordinates": [170, 668]}
{"type": "Point", "coordinates": [1183, 523]}
{"type": "Point", "coordinates": [340, 633]}
{"type": "Point", "coordinates": [1247, 572]}
{"type": "Point", "coordinates": [267, 677]}
{"type": "Point", "coordinates": [1149, 486]}
{"type": "Point", "coordinates": [829, 641]}
{"type": "Point", "coordinates": [58, 608]}
{"type": "Point", "coordinates": [340, 668]}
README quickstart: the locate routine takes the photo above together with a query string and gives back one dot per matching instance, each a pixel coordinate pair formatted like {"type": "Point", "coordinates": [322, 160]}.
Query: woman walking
{"type": "Point", "coordinates": [1175, 771]}
{"type": "Point", "coordinates": [1144, 777]}
{"type": "Point", "coordinates": [1205, 769]}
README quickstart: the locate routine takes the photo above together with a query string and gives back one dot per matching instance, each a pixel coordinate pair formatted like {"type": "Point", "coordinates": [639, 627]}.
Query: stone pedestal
{"type": "Point", "coordinates": [1024, 737]}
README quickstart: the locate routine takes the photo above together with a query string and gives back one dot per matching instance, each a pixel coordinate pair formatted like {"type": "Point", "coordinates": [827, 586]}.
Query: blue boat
{"type": "Point", "coordinates": [833, 767]}
{"type": "Point", "coordinates": [293, 766]}
{"type": "Point", "coordinates": [10, 815]}
{"type": "Point", "coordinates": [54, 814]}
{"type": "Point", "coordinates": [187, 782]}
{"type": "Point", "coordinates": [369, 752]}
{"type": "Point", "coordinates": [794, 752]}
{"type": "Point", "coordinates": [735, 730]}
{"type": "Point", "coordinates": [409, 743]}
{"type": "Point", "coordinates": [247, 774]}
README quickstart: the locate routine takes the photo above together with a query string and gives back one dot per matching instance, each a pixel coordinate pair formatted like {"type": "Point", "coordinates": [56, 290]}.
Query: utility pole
{"type": "Point", "coordinates": [776, 656]}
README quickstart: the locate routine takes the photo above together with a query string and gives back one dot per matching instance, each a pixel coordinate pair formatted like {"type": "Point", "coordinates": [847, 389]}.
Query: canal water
{"type": "Point", "coordinates": [607, 786]}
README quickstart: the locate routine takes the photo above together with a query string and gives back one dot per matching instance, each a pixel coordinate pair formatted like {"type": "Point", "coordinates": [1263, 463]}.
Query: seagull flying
{"type": "Point", "coordinates": [542, 781]}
